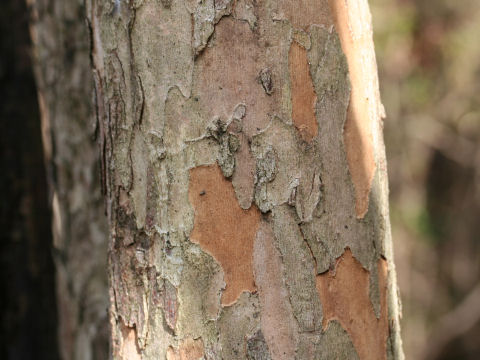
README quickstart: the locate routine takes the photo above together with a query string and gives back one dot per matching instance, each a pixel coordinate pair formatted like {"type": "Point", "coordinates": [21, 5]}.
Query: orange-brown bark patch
{"type": "Point", "coordinates": [189, 349]}
{"type": "Point", "coordinates": [353, 25]}
{"type": "Point", "coordinates": [344, 293]}
{"type": "Point", "coordinates": [223, 229]}
{"type": "Point", "coordinates": [303, 93]}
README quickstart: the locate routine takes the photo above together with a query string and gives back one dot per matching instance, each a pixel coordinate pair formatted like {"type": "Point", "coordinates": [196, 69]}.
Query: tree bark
{"type": "Point", "coordinates": [245, 176]}
{"type": "Point", "coordinates": [61, 54]}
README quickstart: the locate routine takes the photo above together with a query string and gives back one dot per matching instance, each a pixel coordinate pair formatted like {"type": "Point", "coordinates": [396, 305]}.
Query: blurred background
{"type": "Point", "coordinates": [28, 316]}
{"type": "Point", "coordinates": [428, 55]}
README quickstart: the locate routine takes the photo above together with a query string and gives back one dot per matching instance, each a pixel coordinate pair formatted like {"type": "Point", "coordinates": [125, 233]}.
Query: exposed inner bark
{"type": "Point", "coordinates": [224, 145]}
{"type": "Point", "coordinates": [224, 229]}
{"type": "Point", "coordinates": [344, 292]}
{"type": "Point", "coordinates": [352, 21]}
{"type": "Point", "coordinates": [189, 349]}
{"type": "Point", "coordinates": [304, 98]}
{"type": "Point", "coordinates": [129, 348]}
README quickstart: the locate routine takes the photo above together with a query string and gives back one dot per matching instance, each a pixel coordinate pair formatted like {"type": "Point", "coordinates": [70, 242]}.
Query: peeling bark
{"type": "Point", "coordinates": [352, 19]}
{"type": "Point", "coordinates": [230, 183]}
{"type": "Point", "coordinates": [223, 229]}
{"type": "Point", "coordinates": [344, 292]}
{"type": "Point", "coordinates": [129, 349]}
{"type": "Point", "coordinates": [189, 349]}
{"type": "Point", "coordinates": [303, 94]}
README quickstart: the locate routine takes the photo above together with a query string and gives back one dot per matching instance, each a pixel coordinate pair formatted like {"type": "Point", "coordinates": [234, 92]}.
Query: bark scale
{"type": "Point", "coordinates": [61, 54]}
{"type": "Point", "coordinates": [245, 175]}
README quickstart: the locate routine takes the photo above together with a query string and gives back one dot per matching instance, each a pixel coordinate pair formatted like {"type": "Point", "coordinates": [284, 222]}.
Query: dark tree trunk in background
{"type": "Point", "coordinates": [61, 50]}
{"type": "Point", "coordinates": [28, 311]}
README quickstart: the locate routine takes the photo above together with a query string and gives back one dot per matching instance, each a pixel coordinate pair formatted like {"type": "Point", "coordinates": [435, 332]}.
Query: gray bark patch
{"type": "Point", "coordinates": [257, 348]}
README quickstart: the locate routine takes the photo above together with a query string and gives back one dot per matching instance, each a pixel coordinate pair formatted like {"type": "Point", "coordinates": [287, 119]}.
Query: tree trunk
{"type": "Point", "coordinates": [65, 88]}
{"type": "Point", "coordinates": [28, 316]}
{"type": "Point", "coordinates": [245, 175]}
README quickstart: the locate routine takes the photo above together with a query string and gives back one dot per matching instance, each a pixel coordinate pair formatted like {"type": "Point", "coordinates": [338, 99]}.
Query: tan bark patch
{"type": "Point", "coordinates": [303, 13]}
{"type": "Point", "coordinates": [223, 229]}
{"type": "Point", "coordinates": [228, 72]}
{"type": "Point", "coordinates": [353, 23]}
{"type": "Point", "coordinates": [129, 349]}
{"type": "Point", "coordinates": [344, 293]}
{"type": "Point", "coordinates": [303, 93]}
{"type": "Point", "coordinates": [277, 317]}
{"type": "Point", "coordinates": [189, 349]}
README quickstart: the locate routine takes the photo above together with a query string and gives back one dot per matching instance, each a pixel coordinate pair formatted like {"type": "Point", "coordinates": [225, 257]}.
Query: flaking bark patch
{"type": "Point", "coordinates": [344, 293]}
{"type": "Point", "coordinates": [223, 229]}
{"type": "Point", "coordinates": [257, 348]}
{"type": "Point", "coordinates": [170, 304]}
{"type": "Point", "coordinates": [236, 325]}
{"type": "Point", "coordinates": [265, 78]}
{"type": "Point", "coordinates": [336, 344]}
{"type": "Point", "coordinates": [245, 10]}
{"type": "Point", "coordinates": [299, 269]}
{"type": "Point", "coordinates": [204, 16]}
{"type": "Point", "coordinates": [238, 68]}
{"type": "Point", "coordinates": [244, 174]}
{"type": "Point", "coordinates": [129, 349]}
{"type": "Point", "coordinates": [365, 109]}
{"type": "Point", "coordinates": [227, 73]}
{"type": "Point", "coordinates": [303, 93]}
{"type": "Point", "coordinates": [189, 349]}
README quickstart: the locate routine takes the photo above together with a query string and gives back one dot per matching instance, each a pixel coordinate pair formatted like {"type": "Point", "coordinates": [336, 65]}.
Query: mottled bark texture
{"type": "Point", "coordinates": [246, 182]}
{"type": "Point", "coordinates": [61, 53]}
